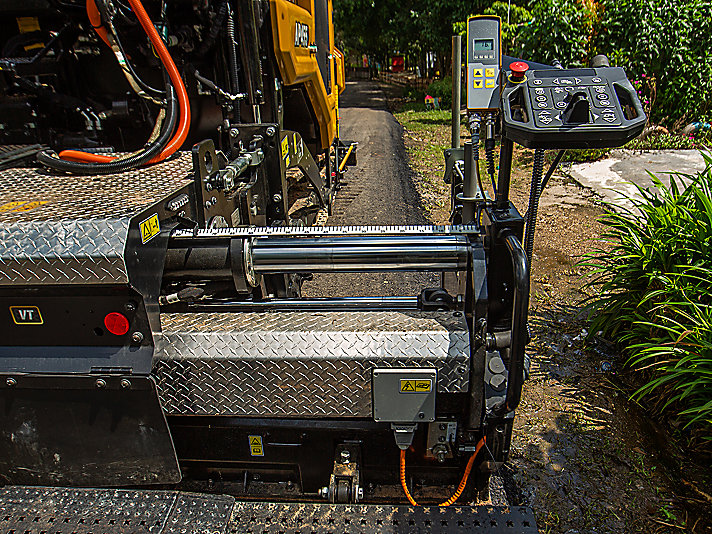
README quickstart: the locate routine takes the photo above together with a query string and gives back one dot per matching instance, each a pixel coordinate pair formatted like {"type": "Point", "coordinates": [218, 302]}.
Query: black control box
{"type": "Point", "coordinates": [574, 108]}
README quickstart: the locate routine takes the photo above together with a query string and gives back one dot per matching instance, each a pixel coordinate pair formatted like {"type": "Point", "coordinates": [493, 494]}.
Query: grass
{"type": "Point", "coordinates": [652, 294]}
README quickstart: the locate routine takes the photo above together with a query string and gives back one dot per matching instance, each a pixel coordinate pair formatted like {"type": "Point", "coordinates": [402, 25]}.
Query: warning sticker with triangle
{"type": "Point", "coordinates": [420, 385]}
{"type": "Point", "coordinates": [256, 448]}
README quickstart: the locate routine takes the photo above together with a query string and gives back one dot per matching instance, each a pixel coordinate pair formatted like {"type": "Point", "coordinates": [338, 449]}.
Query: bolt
{"type": "Point", "coordinates": [126, 384]}
{"type": "Point", "coordinates": [421, 415]}
{"type": "Point", "coordinates": [101, 383]}
{"type": "Point", "coordinates": [324, 492]}
{"type": "Point", "coordinates": [442, 426]}
{"type": "Point", "coordinates": [137, 337]}
{"type": "Point", "coordinates": [11, 382]}
{"type": "Point", "coordinates": [277, 197]}
{"type": "Point", "coordinates": [345, 456]}
{"type": "Point", "coordinates": [271, 131]}
{"type": "Point", "coordinates": [130, 306]}
{"type": "Point", "coordinates": [234, 132]}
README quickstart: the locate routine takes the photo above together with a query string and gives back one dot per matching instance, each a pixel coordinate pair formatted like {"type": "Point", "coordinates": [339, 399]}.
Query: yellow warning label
{"type": "Point", "coordinates": [256, 446]}
{"type": "Point", "coordinates": [150, 228]}
{"type": "Point", "coordinates": [9, 206]}
{"type": "Point", "coordinates": [477, 73]}
{"type": "Point", "coordinates": [27, 206]}
{"type": "Point", "coordinates": [421, 385]}
{"type": "Point", "coordinates": [477, 84]}
{"type": "Point", "coordinates": [28, 24]}
{"type": "Point", "coordinates": [489, 73]}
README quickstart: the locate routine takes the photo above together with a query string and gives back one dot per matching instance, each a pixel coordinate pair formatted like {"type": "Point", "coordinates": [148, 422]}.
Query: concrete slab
{"type": "Point", "coordinates": [611, 177]}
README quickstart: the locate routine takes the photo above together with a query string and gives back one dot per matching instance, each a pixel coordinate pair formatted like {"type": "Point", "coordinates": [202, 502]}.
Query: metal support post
{"type": "Point", "coordinates": [456, 88]}
{"type": "Point", "coordinates": [505, 172]}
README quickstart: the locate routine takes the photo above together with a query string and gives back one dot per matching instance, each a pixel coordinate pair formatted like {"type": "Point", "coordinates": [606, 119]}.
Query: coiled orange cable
{"type": "Point", "coordinates": [460, 488]}
{"type": "Point", "coordinates": [183, 125]}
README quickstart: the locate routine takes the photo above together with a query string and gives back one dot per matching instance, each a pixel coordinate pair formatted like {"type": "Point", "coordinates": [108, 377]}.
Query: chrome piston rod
{"type": "Point", "coordinates": [359, 254]}
{"type": "Point", "coordinates": [212, 258]}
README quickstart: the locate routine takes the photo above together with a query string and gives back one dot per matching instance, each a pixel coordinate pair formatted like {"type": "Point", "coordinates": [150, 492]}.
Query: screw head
{"type": "Point", "coordinates": [277, 197]}
{"type": "Point", "coordinates": [126, 384]}
{"type": "Point", "coordinates": [101, 383]}
{"type": "Point", "coordinates": [234, 132]}
{"type": "Point", "coordinates": [271, 131]}
{"type": "Point", "coordinates": [137, 337]}
{"type": "Point", "coordinates": [130, 306]}
{"type": "Point", "coordinates": [11, 382]}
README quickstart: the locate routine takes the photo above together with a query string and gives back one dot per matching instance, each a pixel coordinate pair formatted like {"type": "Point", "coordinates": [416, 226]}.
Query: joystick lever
{"type": "Point", "coordinates": [577, 108]}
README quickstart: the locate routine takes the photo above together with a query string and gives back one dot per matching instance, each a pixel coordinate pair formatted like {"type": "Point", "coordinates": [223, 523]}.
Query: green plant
{"type": "Point", "coordinates": [652, 293]}
{"type": "Point", "coordinates": [667, 42]}
{"type": "Point", "coordinates": [560, 30]}
{"type": "Point", "coordinates": [442, 89]}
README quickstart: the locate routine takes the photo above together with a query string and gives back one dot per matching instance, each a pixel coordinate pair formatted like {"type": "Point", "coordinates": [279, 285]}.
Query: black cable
{"type": "Point", "coordinates": [139, 81]}
{"type": "Point", "coordinates": [534, 195]}
{"type": "Point", "coordinates": [50, 159]}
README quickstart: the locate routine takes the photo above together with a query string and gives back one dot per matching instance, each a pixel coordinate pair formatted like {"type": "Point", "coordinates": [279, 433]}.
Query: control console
{"type": "Point", "coordinates": [574, 108]}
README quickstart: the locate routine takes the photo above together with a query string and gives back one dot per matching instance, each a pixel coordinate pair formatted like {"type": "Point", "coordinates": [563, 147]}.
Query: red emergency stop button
{"type": "Point", "coordinates": [519, 70]}
{"type": "Point", "coordinates": [116, 323]}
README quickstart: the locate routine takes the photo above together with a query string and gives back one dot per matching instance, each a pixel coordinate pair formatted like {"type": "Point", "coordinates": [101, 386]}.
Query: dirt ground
{"type": "Point", "coordinates": [584, 457]}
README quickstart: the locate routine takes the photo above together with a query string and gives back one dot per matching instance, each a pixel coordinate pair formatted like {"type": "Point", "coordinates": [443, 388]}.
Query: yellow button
{"type": "Point", "coordinates": [478, 84]}
{"type": "Point", "coordinates": [489, 83]}
{"type": "Point", "coordinates": [478, 73]}
{"type": "Point", "coordinates": [489, 73]}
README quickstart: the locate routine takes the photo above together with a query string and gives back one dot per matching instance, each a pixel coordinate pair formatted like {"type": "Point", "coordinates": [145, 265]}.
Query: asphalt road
{"type": "Point", "coordinates": [378, 191]}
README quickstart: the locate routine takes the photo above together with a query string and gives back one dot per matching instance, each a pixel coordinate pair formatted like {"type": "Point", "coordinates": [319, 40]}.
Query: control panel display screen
{"type": "Point", "coordinates": [482, 45]}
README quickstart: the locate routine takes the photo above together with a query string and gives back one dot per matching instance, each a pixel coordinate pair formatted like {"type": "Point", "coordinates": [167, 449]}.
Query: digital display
{"type": "Point", "coordinates": [483, 45]}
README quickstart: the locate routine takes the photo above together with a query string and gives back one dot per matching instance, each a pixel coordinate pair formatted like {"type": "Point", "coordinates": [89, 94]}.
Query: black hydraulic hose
{"type": "Point", "coordinates": [534, 194]}
{"type": "Point", "coordinates": [520, 307]}
{"type": "Point", "coordinates": [49, 158]}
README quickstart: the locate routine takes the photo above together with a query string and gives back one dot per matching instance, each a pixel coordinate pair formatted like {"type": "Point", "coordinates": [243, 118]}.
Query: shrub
{"type": "Point", "coordinates": [652, 286]}
{"type": "Point", "coordinates": [560, 30]}
{"type": "Point", "coordinates": [442, 89]}
{"type": "Point", "coordinates": [667, 42]}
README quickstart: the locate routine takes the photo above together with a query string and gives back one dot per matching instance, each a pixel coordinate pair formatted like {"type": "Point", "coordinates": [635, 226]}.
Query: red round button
{"type": "Point", "coordinates": [116, 323]}
{"type": "Point", "coordinates": [519, 69]}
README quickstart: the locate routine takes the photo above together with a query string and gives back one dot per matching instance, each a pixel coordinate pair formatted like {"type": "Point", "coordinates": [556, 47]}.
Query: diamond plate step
{"type": "Point", "coordinates": [30, 510]}
{"type": "Point", "coordinates": [301, 364]}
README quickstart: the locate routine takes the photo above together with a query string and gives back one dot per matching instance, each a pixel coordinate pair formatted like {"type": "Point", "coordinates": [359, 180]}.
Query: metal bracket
{"type": "Point", "coordinates": [403, 434]}
{"type": "Point", "coordinates": [344, 483]}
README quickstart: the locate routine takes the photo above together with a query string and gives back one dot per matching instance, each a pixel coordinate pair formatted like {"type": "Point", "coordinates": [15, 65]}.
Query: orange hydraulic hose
{"type": "Point", "coordinates": [460, 488]}
{"type": "Point", "coordinates": [183, 125]}
{"type": "Point", "coordinates": [95, 20]}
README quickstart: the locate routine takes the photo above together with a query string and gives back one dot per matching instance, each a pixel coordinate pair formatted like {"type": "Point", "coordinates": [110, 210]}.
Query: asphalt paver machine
{"type": "Point", "coordinates": [160, 370]}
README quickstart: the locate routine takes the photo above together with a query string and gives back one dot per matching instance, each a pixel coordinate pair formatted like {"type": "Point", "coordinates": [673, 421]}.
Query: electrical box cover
{"type": "Point", "coordinates": [404, 395]}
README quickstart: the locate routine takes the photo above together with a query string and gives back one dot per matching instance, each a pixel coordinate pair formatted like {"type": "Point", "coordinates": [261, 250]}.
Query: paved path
{"type": "Point", "coordinates": [379, 190]}
{"type": "Point", "coordinates": [612, 176]}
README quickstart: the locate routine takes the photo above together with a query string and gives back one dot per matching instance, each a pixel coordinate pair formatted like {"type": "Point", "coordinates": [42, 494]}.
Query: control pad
{"type": "Point", "coordinates": [574, 108]}
{"type": "Point", "coordinates": [550, 97]}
